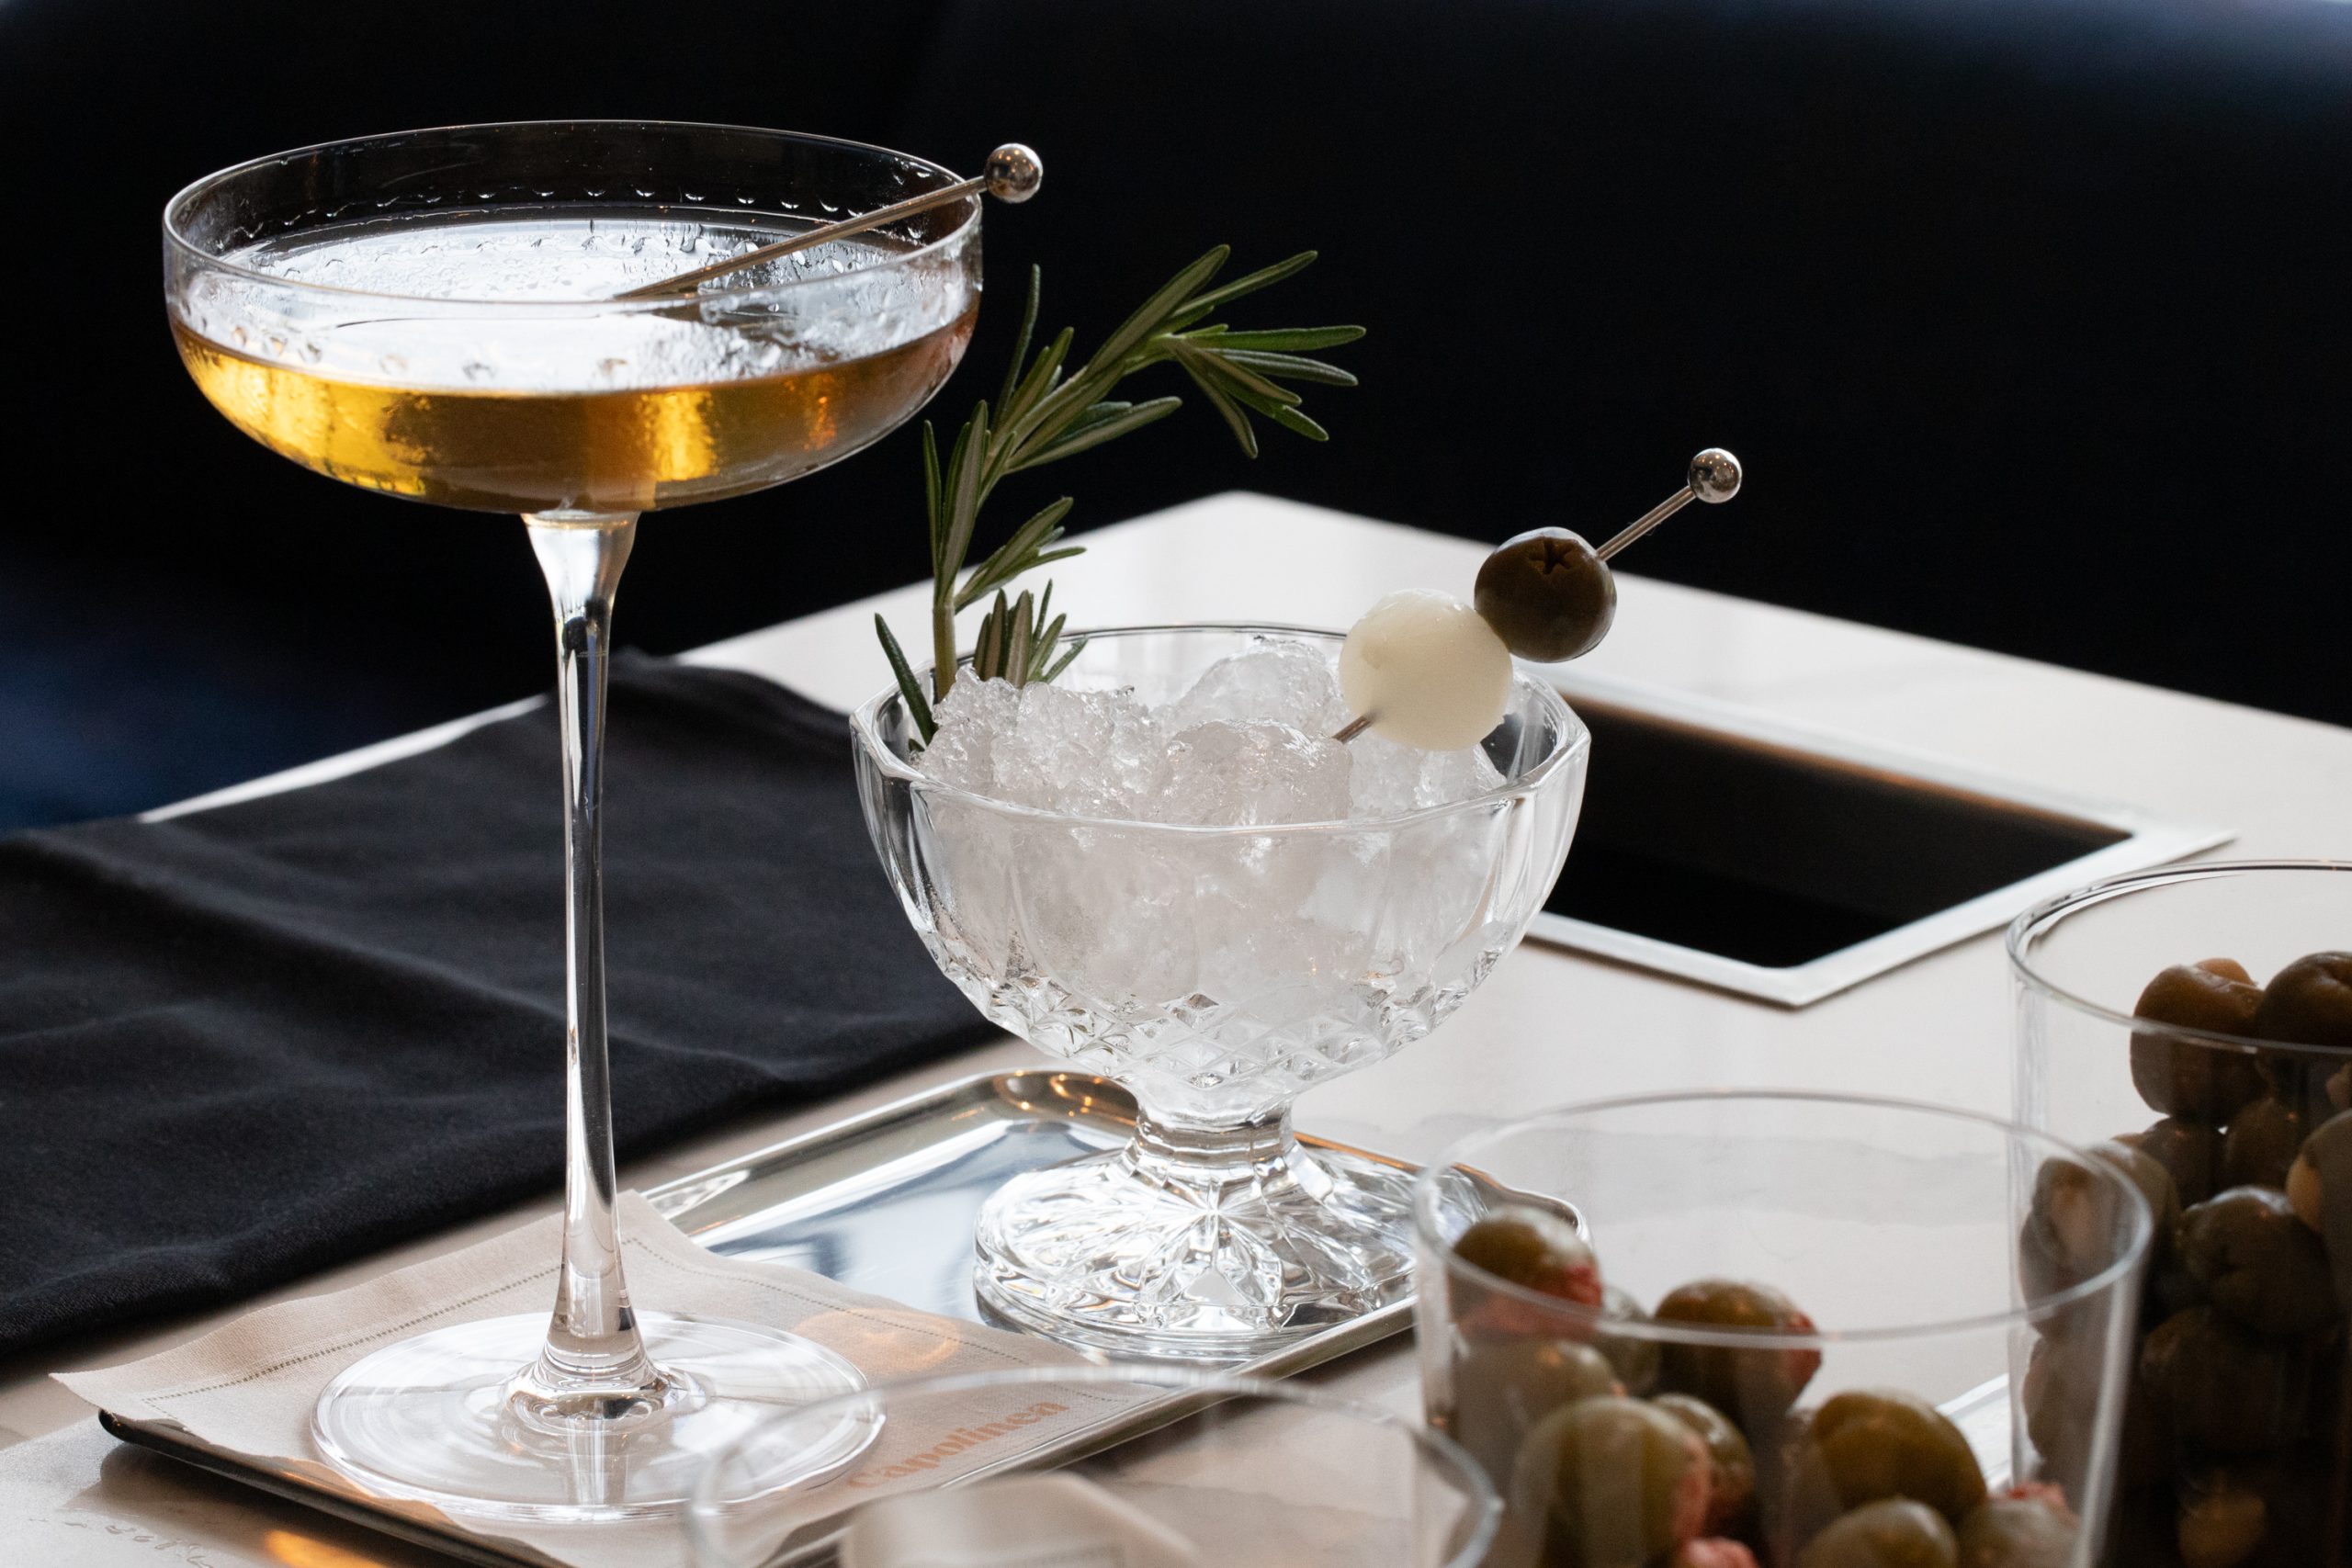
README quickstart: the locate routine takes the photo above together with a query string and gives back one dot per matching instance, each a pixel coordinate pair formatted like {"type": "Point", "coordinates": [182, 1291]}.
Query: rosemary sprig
{"type": "Point", "coordinates": [1048, 412]}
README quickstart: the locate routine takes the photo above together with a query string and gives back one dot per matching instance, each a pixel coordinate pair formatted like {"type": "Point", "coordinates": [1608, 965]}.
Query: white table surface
{"type": "Point", "coordinates": [1549, 1027]}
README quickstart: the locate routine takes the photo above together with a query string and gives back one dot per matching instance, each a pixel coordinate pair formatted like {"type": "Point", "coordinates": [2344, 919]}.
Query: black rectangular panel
{"type": "Point", "coordinates": [1775, 856]}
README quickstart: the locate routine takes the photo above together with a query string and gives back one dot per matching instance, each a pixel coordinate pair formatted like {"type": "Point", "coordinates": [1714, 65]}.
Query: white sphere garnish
{"type": "Point", "coordinates": [1429, 670]}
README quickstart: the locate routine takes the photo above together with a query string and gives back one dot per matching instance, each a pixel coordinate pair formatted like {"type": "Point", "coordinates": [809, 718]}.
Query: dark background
{"type": "Point", "coordinates": [2029, 317]}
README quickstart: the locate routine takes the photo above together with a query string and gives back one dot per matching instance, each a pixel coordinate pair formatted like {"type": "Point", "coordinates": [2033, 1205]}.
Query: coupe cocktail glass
{"type": "Point", "coordinates": [1217, 973]}
{"type": "Point", "coordinates": [432, 315]}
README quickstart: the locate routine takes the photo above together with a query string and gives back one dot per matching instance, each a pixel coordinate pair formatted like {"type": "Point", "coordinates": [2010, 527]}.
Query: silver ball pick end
{"type": "Point", "coordinates": [1014, 173]}
{"type": "Point", "coordinates": [1715, 479]}
{"type": "Point", "coordinates": [1714, 476]}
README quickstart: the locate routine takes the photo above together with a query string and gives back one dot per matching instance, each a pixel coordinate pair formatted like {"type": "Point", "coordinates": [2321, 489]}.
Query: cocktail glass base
{"type": "Point", "coordinates": [440, 1418]}
{"type": "Point", "coordinates": [1138, 1255]}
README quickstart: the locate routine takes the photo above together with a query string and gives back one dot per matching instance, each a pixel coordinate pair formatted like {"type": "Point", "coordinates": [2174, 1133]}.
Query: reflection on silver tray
{"type": "Point", "coordinates": [884, 1203]}
{"type": "Point", "coordinates": [887, 1203]}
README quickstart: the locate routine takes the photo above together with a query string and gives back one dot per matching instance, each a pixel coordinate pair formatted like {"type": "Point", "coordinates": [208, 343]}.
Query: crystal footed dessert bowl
{"type": "Point", "coordinates": [1160, 868]}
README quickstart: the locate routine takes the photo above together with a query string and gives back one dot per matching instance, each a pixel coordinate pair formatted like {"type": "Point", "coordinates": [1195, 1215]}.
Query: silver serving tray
{"type": "Point", "coordinates": [885, 1203]}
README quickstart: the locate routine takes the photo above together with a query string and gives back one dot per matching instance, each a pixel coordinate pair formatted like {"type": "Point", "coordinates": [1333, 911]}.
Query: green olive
{"type": "Point", "coordinates": [1502, 1387]}
{"type": "Point", "coordinates": [2309, 1002]}
{"type": "Point", "coordinates": [1615, 1483]}
{"type": "Point", "coordinates": [2061, 1398]}
{"type": "Point", "coordinates": [2149, 1175]}
{"type": "Point", "coordinates": [1866, 1445]}
{"type": "Point", "coordinates": [1635, 1358]}
{"type": "Point", "coordinates": [2227, 1389]}
{"type": "Point", "coordinates": [1533, 1248]}
{"type": "Point", "coordinates": [2189, 1151]}
{"type": "Point", "coordinates": [1895, 1533]}
{"type": "Point", "coordinates": [1731, 1464]}
{"type": "Point", "coordinates": [2259, 1149]}
{"type": "Point", "coordinates": [2032, 1530]}
{"type": "Point", "coordinates": [1547, 595]}
{"type": "Point", "coordinates": [1755, 1387]}
{"type": "Point", "coordinates": [2078, 1220]}
{"type": "Point", "coordinates": [2319, 1186]}
{"type": "Point", "coordinates": [2181, 1077]}
{"type": "Point", "coordinates": [2258, 1262]}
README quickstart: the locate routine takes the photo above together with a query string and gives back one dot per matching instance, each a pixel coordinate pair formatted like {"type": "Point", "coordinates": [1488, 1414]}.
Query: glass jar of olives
{"type": "Point", "coordinates": [2197, 1022]}
{"type": "Point", "coordinates": [1780, 1330]}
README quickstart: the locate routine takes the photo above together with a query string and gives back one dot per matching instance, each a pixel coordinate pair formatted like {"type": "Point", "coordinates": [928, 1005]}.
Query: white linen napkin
{"type": "Point", "coordinates": [248, 1387]}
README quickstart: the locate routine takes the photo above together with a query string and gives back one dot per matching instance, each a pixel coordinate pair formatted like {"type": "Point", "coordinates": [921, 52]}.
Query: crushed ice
{"type": "Point", "coordinates": [1248, 745]}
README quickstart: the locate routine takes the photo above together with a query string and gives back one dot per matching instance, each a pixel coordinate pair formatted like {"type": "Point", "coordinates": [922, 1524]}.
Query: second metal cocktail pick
{"type": "Point", "coordinates": [1714, 478]}
{"type": "Point", "coordinates": [1568, 566]}
{"type": "Point", "coordinates": [1013, 173]}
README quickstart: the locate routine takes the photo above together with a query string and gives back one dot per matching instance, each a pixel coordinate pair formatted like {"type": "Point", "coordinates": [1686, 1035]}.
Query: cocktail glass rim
{"type": "Point", "coordinates": [704, 1510]}
{"type": "Point", "coordinates": [451, 304]}
{"type": "Point", "coordinates": [2029, 925]}
{"type": "Point", "coordinates": [1430, 1205]}
{"type": "Point", "coordinates": [866, 721]}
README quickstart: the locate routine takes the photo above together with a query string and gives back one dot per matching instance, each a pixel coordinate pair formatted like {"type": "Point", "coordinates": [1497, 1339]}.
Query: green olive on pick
{"type": "Point", "coordinates": [1547, 594]}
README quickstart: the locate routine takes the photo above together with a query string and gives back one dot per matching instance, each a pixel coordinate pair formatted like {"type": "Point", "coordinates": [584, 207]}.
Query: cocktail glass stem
{"type": "Point", "coordinates": [1215, 1239]}
{"type": "Point", "coordinates": [1215, 1164]}
{"type": "Point", "coordinates": [593, 1366]}
{"type": "Point", "coordinates": [593, 1412]}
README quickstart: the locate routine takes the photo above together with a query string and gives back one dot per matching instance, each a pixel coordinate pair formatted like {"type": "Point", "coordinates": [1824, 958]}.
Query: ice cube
{"type": "Point", "coordinates": [1390, 779]}
{"type": "Point", "coordinates": [969, 718]}
{"type": "Point", "coordinates": [1106, 909]}
{"type": "Point", "coordinates": [1252, 774]}
{"type": "Point", "coordinates": [1087, 753]}
{"type": "Point", "coordinates": [1449, 776]}
{"type": "Point", "coordinates": [1276, 680]}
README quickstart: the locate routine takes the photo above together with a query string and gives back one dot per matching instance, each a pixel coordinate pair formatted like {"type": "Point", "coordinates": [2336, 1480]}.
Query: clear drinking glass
{"type": "Point", "coordinates": [2239, 1433]}
{"type": "Point", "coordinates": [1237, 1472]}
{"type": "Point", "coordinates": [1895, 1228]}
{"type": "Point", "coordinates": [431, 315]}
{"type": "Point", "coordinates": [1217, 973]}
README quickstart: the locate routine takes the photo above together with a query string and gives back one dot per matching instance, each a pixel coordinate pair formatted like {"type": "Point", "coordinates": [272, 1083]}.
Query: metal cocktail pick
{"type": "Point", "coordinates": [1714, 478]}
{"type": "Point", "coordinates": [1013, 173]}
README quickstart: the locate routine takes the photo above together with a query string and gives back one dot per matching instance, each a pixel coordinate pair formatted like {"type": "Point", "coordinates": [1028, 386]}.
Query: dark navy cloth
{"type": "Point", "coordinates": [247, 1043]}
